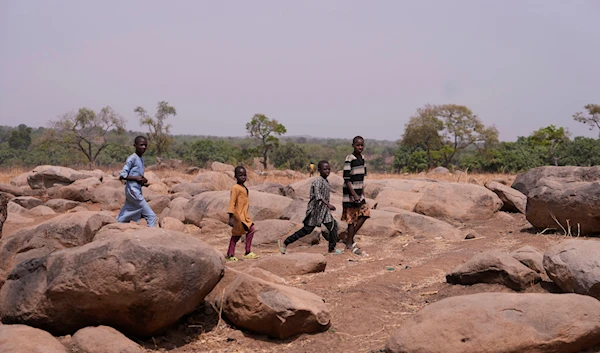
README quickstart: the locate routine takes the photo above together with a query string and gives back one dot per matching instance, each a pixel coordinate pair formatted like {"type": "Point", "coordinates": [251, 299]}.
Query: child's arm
{"type": "Point", "coordinates": [231, 208]}
{"type": "Point", "coordinates": [125, 173]}
{"type": "Point", "coordinates": [353, 193]}
{"type": "Point", "coordinates": [330, 206]}
{"type": "Point", "coordinates": [347, 169]}
{"type": "Point", "coordinates": [317, 193]}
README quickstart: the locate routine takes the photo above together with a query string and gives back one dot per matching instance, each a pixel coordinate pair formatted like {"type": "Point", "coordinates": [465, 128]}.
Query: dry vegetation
{"type": "Point", "coordinates": [6, 174]}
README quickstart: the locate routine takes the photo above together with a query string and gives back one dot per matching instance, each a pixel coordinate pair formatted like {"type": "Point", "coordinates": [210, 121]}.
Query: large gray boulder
{"type": "Point", "coordinates": [25, 339]}
{"type": "Point", "coordinates": [214, 204]}
{"type": "Point", "coordinates": [562, 198]}
{"type": "Point", "coordinates": [458, 202]}
{"type": "Point", "coordinates": [28, 202]}
{"type": "Point", "coordinates": [62, 205]}
{"type": "Point", "coordinates": [501, 323]}
{"type": "Point", "coordinates": [175, 209]}
{"type": "Point", "coordinates": [221, 167]}
{"type": "Point", "coordinates": [61, 232]}
{"type": "Point", "coordinates": [12, 189]}
{"type": "Point", "coordinates": [573, 266]}
{"type": "Point", "coordinates": [302, 187]}
{"type": "Point", "coordinates": [3, 210]}
{"type": "Point", "coordinates": [389, 224]}
{"type": "Point", "coordinates": [43, 177]}
{"type": "Point", "coordinates": [216, 180]}
{"type": "Point", "coordinates": [109, 197]}
{"type": "Point", "coordinates": [293, 264]}
{"type": "Point", "coordinates": [512, 199]}
{"type": "Point", "coordinates": [531, 257]}
{"type": "Point", "coordinates": [103, 339]}
{"type": "Point", "coordinates": [273, 309]}
{"type": "Point", "coordinates": [80, 190]}
{"type": "Point", "coordinates": [191, 188]}
{"type": "Point", "coordinates": [138, 283]}
{"type": "Point", "coordinates": [493, 266]}
{"type": "Point", "coordinates": [390, 198]}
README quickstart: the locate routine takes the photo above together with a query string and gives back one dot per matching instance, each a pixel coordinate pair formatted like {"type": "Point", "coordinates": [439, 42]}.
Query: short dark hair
{"type": "Point", "coordinates": [321, 162]}
{"type": "Point", "coordinates": [357, 138]}
{"type": "Point", "coordinates": [238, 169]}
{"type": "Point", "coordinates": [138, 138]}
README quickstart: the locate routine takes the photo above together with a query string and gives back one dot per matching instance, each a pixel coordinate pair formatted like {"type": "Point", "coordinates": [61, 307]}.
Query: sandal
{"type": "Point", "coordinates": [251, 255]}
{"type": "Point", "coordinates": [231, 259]}
{"type": "Point", "coordinates": [335, 252]}
{"type": "Point", "coordinates": [282, 248]}
{"type": "Point", "coordinates": [356, 249]}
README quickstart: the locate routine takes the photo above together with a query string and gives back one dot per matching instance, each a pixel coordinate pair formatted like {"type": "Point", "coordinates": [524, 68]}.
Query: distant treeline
{"type": "Point", "coordinates": [28, 147]}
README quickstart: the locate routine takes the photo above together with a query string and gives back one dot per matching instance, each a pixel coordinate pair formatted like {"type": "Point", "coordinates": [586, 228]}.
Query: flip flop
{"type": "Point", "coordinates": [250, 255]}
{"type": "Point", "coordinates": [282, 249]}
{"type": "Point", "coordinates": [356, 249]}
{"type": "Point", "coordinates": [336, 252]}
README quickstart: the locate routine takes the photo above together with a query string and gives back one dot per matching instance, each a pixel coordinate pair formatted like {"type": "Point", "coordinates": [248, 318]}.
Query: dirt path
{"type": "Point", "coordinates": [369, 296]}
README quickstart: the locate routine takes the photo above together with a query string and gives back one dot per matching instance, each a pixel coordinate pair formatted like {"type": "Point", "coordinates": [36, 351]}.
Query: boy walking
{"type": "Point", "coordinates": [135, 206]}
{"type": "Point", "coordinates": [318, 211]}
{"type": "Point", "coordinates": [355, 210]}
{"type": "Point", "coordinates": [239, 217]}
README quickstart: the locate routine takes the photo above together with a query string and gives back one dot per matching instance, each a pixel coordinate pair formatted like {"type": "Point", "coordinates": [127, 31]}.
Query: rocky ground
{"type": "Point", "coordinates": [368, 296]}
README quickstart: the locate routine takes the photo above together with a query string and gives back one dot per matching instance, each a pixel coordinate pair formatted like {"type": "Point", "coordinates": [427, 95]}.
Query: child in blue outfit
{"type": "Point", "coordinates": [135, 206]}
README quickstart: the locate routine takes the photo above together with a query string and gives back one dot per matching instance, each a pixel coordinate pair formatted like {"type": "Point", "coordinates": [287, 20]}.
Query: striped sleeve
{"type": "Point", "coordinates": [347, 167]}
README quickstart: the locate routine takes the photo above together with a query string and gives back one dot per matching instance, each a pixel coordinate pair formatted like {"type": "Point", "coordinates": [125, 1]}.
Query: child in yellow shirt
{"type": "Point", "coordinates": [239, 218]}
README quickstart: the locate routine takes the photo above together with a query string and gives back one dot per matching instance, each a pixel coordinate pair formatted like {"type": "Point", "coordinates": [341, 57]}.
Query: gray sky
{"type": "Point", "coordinates": [322, 68]}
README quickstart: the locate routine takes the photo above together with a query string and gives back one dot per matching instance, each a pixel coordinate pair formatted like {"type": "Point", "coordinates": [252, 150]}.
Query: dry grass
{"type": "Point", "coordinates": [6, 174]}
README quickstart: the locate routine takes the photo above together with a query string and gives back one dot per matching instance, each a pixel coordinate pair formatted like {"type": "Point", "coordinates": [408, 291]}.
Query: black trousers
{"type": "Point", "coordinates": [306, 230]}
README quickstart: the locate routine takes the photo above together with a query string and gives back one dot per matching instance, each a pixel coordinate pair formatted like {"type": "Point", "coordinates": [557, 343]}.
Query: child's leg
{"type": "Point", "coordinates": [148, 214]}
{"type": "Point", "coordinates": [333, 235]}
{"type": "Point", "coordinates": [234, 239]}
{"type": "Point", "coordinates": [359, 223]}
{"type": "Point", "coordinates": [350, 236]}
{"type": "Point", "coordinates": [249, 237]}
{"type": "Point", "coordinates": [302, 232]}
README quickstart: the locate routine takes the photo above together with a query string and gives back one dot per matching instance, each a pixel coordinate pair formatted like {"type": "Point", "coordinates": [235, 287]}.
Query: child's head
{"type": "Point", "coordinates": [324, 168]}
{"type": "Point", "coordinates": [141, 144]}
{"type": "Point", "coordinates": [240, 174]}
{"type": "Point", "coordinates": [359, 144]}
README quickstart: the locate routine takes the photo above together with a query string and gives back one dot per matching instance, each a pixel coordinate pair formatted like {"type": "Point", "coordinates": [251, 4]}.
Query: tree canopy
{"type": "Point", "coordinates": [591, 118]}
{"type": "Point", "coordinates": [86, 131]}
{"type": "Point", "coordinates": [159, 130]}
{"type": "Point", "coordinates": [264, 129]}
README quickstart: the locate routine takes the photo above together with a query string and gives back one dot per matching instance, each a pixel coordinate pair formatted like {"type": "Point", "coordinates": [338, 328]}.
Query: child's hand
{"type": "Point", "coordinates": [231, 221]}
{"type": "Point", "coordinates": [331, 207]}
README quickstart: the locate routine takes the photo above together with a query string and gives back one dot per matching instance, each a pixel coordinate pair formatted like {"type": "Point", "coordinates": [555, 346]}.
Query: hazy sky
{"type": "Point", "coordinates": [322, 68]}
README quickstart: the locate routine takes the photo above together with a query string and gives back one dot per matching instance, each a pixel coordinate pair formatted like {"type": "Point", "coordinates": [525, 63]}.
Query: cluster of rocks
{"type": "Point", "coordinates": [535, 322]}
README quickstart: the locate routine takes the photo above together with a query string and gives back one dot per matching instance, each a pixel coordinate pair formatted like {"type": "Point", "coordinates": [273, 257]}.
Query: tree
{"type": "Point", "coordinates": [86, 131]}
{"type": "Point", "coordinates": [551, 138]}
{"type": "Point", "coordinates": [581, 151]}
{"type": "Point", "coordinates": [204, 151]}
{"type": "Point", "coordinates": [263, 128]}
{"type": "Point", "coordinates": [20, 139]}
{"type": "Point", "coordinates": [290, 156]}
{"type": "Point", "coordinates": [444, 130]}
{"type": "Point", "coordinates": [593, 117]}
{"type": "Point", "coordinates": [423, 131]}
{"type": "Point", "coordinates": [462, 128]}
{"type": "Point", "coordinates": [158, 129]}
